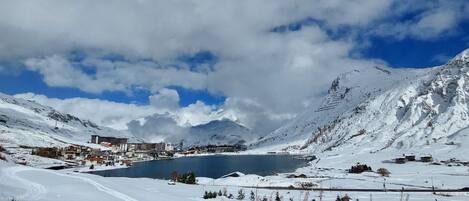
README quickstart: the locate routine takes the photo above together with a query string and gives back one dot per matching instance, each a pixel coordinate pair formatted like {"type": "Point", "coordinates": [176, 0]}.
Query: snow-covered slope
{"type": "Point", "coordinates": [382, 108]}
{"type": "Point", "coordinates": [218, 132]}
{"type": "Point", "coordinates": [26, 123]}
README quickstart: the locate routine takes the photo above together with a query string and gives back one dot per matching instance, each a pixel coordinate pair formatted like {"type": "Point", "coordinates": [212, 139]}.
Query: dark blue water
{"type": "Point", "coordinates": [210, 166]}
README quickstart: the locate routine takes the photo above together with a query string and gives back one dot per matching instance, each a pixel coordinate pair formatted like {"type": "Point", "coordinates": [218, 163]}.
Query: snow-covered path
{"type": "Point", "coordinates": [36, 187]}
{"type": "Point", "coordinates": [26, 183]}
{"type": "Point", "coordinates": [34, 191]}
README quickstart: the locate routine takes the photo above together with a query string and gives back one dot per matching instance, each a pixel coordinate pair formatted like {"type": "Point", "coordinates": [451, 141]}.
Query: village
{"type": "Point", "coordinates": [114, 151]}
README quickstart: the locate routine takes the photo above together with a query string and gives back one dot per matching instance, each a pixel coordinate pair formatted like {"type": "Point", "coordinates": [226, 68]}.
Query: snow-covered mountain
{"type": "Point", "coordinates": [219, 132]}
{"type": "Point", "coordinates": [383, 108]}
{"type": "Point", "coordinates": [159, 127]}
{"type": "Point", "coordinates": [27, 123]}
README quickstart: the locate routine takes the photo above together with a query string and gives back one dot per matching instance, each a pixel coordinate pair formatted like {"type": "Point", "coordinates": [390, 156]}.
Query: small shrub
{"type": "Point", "coordinates": [277, 197]}
{"type": "Point", "coordinates": [240, 194]}
{"type": "Point", "coordinates": [345, 198]}
{"type": "Point", "coordinates": [187, 178]}
{"type": "Point", "coordinates": [252, 197]}
{"type": "Point", "coordinates": [359, 168]}
{"type": "Point", "coordinates": [383, 172]}
{"type": "Point", "coordinates": [209, 195]}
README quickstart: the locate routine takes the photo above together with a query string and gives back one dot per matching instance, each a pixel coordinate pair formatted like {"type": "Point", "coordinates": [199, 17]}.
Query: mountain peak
{"type": "Point", "coordinates": [462, 57]}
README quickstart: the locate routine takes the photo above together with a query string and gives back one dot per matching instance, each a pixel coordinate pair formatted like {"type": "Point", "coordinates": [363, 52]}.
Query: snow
{"type": "Point", "coordinates": [27, 183]}
{"type": "Point", "coordinates": [26, 124]}
{"type": "Point", "coordinates": [382, 109]}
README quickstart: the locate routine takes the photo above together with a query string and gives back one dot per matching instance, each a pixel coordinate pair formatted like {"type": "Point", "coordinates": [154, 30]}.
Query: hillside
{"type": "Point", "coordinates": [382, 109]}
{"type": "Point", "coordinates": [25, 124]}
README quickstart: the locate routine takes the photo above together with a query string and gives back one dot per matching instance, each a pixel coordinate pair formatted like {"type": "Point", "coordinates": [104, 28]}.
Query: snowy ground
{"type": "Point", "coordinates": [27, 183]}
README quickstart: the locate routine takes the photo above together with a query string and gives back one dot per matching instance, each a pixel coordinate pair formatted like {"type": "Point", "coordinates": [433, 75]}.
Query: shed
{"type": "Point", "coordinates": [400, 160]}
{"type": "Point", "coordinates": [233, 174]}
{"type": "Point", "coordinates": [426, 159]}
{"type": "Point", "coordinates": [410, 157]}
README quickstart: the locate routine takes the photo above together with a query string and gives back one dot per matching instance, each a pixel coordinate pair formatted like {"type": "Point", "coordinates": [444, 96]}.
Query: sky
{"type": "Point", "coordinates": [197, 61]}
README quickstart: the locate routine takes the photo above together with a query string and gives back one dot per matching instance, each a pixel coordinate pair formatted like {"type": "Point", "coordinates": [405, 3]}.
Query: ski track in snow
{"type": "Point", "coordinates": [103, 188]}
{"type": "Point", "coordinates": [35, 191]}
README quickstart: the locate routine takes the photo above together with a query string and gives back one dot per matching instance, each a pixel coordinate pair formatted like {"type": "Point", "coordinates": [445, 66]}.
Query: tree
{"type": "Point", "coordinates": [206, 195]}
{"type": "Point", "coordinates": [219, 193]}
{"type": "Point", "coordinates": [383, 172]}
{"type": "Point", "coordinates": [277, 197]}
{"type": "Point", "coordinates": [187, 178]}
{"type": "Point", "coordinates": [174, 176]}
{"type": "Point", "coordinates": [91, 167]}
{"type": "Point", "coordinates": [252, 197]}
{"type": "Point", "coordinates": [240, 194]}
{"type": "Point", "coordinates": [190, 178]}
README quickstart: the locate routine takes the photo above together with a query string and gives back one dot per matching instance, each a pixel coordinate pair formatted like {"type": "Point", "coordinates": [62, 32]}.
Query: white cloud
{"type": "Point", "coordinates": [258, 70]}
{"type": "Point", "coordinates": [433, 19]}
{"type": "Point", "coordinates": [165, 98]}
{"type": "Point", "coordinates": [117, 115]}
{"type": "Point", "coordinates": [107, 113]}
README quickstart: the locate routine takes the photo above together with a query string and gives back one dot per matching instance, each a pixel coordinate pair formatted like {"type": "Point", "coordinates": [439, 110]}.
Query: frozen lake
{"type": "Point", "coordinates": [210, 166]}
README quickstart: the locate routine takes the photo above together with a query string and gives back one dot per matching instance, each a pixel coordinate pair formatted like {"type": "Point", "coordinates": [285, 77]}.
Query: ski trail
{"type": "Point", "coordinates": [34, 191]}
{"type": "Point", "coordinates": [100, 187]}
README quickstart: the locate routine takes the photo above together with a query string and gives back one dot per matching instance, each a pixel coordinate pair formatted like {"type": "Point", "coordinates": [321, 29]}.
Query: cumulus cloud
{"type": "Point", "coordinates": [433, 19]}
{"type": "Point", "coordinates": [165, 98]}
{"type": "Point", "coordinates": [118, 115]}
{"type": "Point", "coordinates": [106, 113]}
{"type": "Point", "coordinates": [157, 128]}
{"type": "Point", "coordinates": [274, 74]}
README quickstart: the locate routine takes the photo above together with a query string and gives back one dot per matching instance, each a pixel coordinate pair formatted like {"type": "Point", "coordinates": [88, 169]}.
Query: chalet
{"type": "Point", "coordinates": [117, 144]}
{"type": "Point", "coordinates": [71, 152]}
{"type": "Point", "coordinates": [426, 159]}
{"type": "Point", "coordinates": [400, 160]}
{"type": "Point", "coordinates": [410, 157]}
{"type": "Point", "coordinates": [169, 147]}
{"type": "Point", "coordinates": [48, 152]}
{"type": "Point", "coordinates": [94, 160]}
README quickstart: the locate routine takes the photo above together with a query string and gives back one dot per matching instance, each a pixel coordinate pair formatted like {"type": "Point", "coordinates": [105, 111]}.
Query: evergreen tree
{"type": "Point", "coordinates": [252, 197]}
{"type": "Point", "coordinates": [219, 193]}
{"type": "Point", "coordinates": [277, 197]}
{"type": "Point", "coordinates": [206, 195]}
{"type": "Point", "coordinates": [240, 194]}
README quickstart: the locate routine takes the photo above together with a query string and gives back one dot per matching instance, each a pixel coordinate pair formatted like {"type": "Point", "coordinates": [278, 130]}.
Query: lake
{"type": "Point", "coordinates": [210, 166]}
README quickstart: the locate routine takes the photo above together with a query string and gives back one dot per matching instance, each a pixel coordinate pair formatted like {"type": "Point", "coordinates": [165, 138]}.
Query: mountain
{"type": "Point", "coordinates": [164, 127]}
{"type": "Point", "coordinates": [25, 123]}
{"type": "Point", "coordinates": [383, 109]}
{"type": "Point", "coordinates": [223, 131]}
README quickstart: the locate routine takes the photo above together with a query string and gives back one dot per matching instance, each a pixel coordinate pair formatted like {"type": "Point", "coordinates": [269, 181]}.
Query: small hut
{"type": "Point", "coordinates": [400, 160]}
{"type": "Point", "coordinates": [426, 159]}
{"type": "Point", "coordinates": [410, 158]}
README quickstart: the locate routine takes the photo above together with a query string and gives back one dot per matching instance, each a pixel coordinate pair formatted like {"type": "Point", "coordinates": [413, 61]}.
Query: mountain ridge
{"type": "Point", "coordinates": [402, 109]}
